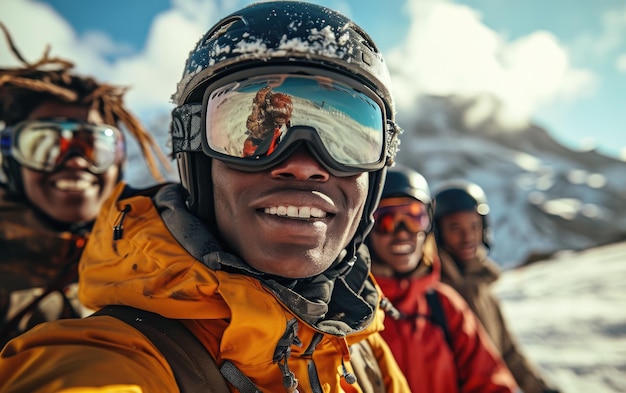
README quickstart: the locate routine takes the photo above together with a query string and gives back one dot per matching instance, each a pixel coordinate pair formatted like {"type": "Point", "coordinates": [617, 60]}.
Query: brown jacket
{"type": "Point", "coordinates": [474, 284]}
{"type": "Point", "coordinates": [38, 269]}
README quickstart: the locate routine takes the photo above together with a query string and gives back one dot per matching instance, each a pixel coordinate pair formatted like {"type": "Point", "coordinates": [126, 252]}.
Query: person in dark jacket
{"type": "Point", "coordinates": [258, 258]}
{"type": "Point", "coordinates": [62, 155]}
{"type": "Point", "coordinates": [464, 239]}
{"type": "Point", "coordinates": [436, 339]}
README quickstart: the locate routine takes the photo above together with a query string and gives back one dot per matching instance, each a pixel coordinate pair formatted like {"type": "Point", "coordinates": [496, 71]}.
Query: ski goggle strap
{"type": "Point", "coordinates": [44, 144]}
{"type": "Point", "coordinates": [254, 123]}
{"type": "Point", "coordinates": [413, 216]}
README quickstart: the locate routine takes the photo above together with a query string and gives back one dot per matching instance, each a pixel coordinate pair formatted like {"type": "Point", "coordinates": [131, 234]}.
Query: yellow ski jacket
{"type": "Point", "coordinates": [150, 253]}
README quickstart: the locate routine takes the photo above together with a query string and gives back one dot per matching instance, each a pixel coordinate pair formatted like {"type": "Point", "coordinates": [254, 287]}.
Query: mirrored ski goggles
{"type": "Point", "coordinates": [414, 217]}
{"type": "Point", "coordinates": [254, 123]}
{"type": "Point", "coordinates": [44, 144]}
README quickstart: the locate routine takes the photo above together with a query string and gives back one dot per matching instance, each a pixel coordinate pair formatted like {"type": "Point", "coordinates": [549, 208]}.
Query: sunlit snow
{"type": "Point", "coordinates": [569, 314]}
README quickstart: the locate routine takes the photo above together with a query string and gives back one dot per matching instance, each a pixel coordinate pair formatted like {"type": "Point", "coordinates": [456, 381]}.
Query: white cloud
{"type": "Point", "coordinates": [151, 74]}
{"type": "Point", "coordinates": [621, 63]}
{"type": "Point", "coordinates": [591, 45]}
{"type": "Point", "coordinates": [103, 45]}
{"type": "Point", "coordinates": [448, 50]}
{"type": "Point", "coordinates": [36, 26]}
{"type": "Point", "coordinates": [33, 26]}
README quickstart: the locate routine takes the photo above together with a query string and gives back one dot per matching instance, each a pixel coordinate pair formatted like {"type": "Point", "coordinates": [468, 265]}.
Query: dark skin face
{"type": "Point", "coordinates": [292, 220]}
{"type": "Point", "coordinates": [462, 234]}
{"type": "Point", "coordinates": [401, 250]}
{"type": "Point", "coordinates": [71, 193]}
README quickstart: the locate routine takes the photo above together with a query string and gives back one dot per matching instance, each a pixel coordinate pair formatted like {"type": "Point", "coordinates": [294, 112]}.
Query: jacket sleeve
{"type": "Point", "coordinates": [103, 355]}
{"type": "Point", "coordinates": [480, 367]}
{"type": "Point", "coordinates": [526, 375]}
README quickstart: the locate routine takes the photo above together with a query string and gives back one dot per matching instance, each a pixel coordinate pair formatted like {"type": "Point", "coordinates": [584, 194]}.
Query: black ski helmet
{"type": "Point", "coordinates": [460, 195]}
{"type": "Point", "coordinates": [292, 35]}
{"type": "Point", "coordinates": [404, 181]}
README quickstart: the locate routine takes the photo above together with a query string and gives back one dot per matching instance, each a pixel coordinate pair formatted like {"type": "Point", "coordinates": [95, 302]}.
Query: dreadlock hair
{"type": "Point", "coordinates": [50, 78]}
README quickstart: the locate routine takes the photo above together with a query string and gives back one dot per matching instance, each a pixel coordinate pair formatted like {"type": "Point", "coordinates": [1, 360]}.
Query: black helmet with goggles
{"type": "Point", "coordinates": [406, 202]}
{"type": "Point", "coordinates": [327, 67]}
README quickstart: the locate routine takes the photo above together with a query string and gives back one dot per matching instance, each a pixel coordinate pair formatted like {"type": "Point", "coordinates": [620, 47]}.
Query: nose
{"type": "Point", "coordinates": [401, 230]}
{"type": "Point", "coordinates": [76, 161]}
{"type": "Point", "coordinates": [468, 236]}
{"type": "Point", "coordinates": [300, 165]}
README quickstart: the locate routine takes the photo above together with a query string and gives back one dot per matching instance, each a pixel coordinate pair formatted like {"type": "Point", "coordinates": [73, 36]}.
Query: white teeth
{"type": "Point", "coordinates": [292, 211]}
{"type": "Point", "coordinates": [315, 212]}
{"type": "Point", "coordinates": [297, 212]}
{"type": "Point", "coordinates": [72, 184]}
{"type": "Point", "coordinates": [304, 212]}
{"type": "Point", "coordinates": [402, 248]}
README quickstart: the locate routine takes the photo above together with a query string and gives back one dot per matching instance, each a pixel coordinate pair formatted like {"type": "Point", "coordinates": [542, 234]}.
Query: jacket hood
{"type": "Point", "coordinates": [480, 269]}
{"type": "Point", "coordinates": [163, 259]}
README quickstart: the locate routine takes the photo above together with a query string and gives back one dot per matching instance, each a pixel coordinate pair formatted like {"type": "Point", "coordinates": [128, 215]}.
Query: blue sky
{"type": "Point", "coordinates": [559, 64]}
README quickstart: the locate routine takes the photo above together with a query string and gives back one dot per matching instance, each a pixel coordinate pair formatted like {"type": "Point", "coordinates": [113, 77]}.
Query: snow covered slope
{"type": "Point", "coordinates": [569, 314]}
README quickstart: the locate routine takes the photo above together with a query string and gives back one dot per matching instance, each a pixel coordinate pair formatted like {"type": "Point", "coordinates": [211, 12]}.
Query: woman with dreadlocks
{"type": "Point", "coordinates": [62, 155]}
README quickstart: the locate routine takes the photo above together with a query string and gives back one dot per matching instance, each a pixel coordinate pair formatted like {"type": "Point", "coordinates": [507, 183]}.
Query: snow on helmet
{"type": "Point", "coordinates": [460, 195]}
{"type": "Point", "coordinates": [292, 32]}
{"type": "Point", "coordinates": [289, 34]}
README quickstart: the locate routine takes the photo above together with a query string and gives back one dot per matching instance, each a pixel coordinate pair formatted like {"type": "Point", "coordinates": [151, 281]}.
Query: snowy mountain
{"type": "Point", "coordinates": [543, 196]}
{"type": "Point", "coordinates": [569, 315]}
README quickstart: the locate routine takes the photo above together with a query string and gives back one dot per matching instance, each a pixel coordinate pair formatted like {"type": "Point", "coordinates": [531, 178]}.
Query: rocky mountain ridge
{"type": "Point", "coordinates": [544, 197]}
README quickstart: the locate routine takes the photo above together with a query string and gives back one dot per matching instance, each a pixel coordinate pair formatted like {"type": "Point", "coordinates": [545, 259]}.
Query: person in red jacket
{"type": "Point", "coordinates": [436, 339]}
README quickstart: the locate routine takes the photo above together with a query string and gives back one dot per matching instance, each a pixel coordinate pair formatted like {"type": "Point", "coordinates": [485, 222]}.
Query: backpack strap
{"type": "Point", "coordinates": [438, 316]}
{"type": "Point", "coordinates": [193, 366]}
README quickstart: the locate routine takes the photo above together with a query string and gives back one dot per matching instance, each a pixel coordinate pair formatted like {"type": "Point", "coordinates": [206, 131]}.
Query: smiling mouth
{"type": "Point", "coordinates": [402, 248]}
{"type": "Point", "coordinates": [72, 184]}
{"type": "Point", "coordinates": [295, 211]}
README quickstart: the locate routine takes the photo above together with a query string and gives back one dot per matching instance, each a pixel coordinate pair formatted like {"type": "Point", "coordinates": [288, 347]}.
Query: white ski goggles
{"type": "Point", "coordinates": [43, 145]}
{"type": "Point", "coordinates": [255, 122]}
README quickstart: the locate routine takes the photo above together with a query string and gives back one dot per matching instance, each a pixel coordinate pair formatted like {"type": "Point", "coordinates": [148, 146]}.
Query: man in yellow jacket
{"type": "Point", "coordinates": [255, 255]}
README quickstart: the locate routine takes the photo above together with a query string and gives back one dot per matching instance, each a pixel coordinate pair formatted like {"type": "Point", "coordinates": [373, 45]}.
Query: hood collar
{"type": "Point", "coordinates": [336, 301]}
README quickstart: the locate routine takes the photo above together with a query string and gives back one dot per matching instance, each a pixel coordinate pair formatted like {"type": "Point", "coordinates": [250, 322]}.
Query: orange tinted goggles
{"type": "Point", "coordinates": [413, 217]}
